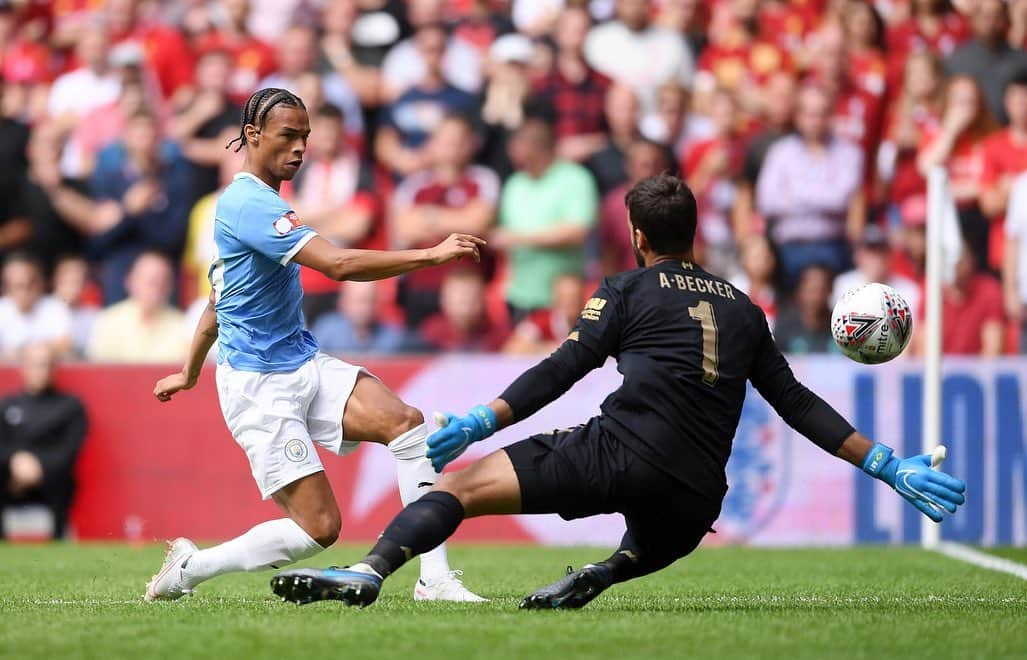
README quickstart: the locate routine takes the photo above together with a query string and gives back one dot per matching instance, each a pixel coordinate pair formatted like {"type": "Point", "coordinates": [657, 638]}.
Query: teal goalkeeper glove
{"type": "Point", "coordinates": [456, 433]}
{"type": "Point", "coordinates": [931, 491]}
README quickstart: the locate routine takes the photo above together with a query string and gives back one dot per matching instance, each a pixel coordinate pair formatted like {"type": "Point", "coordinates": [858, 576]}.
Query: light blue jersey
{"type": "Point", "coordinates": [256, 285]}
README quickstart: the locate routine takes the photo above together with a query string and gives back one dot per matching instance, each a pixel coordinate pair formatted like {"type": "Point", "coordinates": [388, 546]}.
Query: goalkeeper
{"type": "Point", "coordinates": [686, 342]}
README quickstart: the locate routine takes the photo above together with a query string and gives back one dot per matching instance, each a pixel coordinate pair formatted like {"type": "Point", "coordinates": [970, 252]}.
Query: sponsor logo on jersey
{"type": "Point", "coordinates": [593, 309]}
{"type": "Point", "coordinates": [287, 223]}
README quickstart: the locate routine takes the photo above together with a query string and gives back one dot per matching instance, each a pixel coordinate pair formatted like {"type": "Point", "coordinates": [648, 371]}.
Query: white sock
{"type": "Point", "coordinates": [271, 544]}
{"type": "Point", "coordinates": [416, 477]}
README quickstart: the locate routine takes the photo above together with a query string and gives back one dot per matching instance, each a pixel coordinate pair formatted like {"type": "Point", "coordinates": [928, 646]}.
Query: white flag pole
{"type": "Point", "coordinates": [938, 207]}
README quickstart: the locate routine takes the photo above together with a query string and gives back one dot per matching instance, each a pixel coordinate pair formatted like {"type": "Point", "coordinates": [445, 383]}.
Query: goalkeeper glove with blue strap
{"type": "Point", "coordinates": [931, 491]}
{"type": "Point", "coordinates": [457, 433]}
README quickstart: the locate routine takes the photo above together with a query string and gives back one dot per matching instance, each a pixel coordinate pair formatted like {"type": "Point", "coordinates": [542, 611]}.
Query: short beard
{"type": "Point", "coordinates": [639, 259]}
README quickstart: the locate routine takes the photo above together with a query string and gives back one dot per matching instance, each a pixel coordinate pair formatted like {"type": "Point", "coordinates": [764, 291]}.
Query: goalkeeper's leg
{"type": "Point", "coordinates": [654, 540]}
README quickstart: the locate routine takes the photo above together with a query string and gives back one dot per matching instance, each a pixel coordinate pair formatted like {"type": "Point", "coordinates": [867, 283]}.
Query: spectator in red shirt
{"type": "Point", "coordinates": [252, 59]}
{"type": "Point", "coordinates": [738, 56]}
{"type": "Point", "coordinates": [463, 325]}
{"type": "Point", "coordinates": [645, 159]}
{"type": "Point", "coordinates": [451, 196]}
{"type": "Point", "coordinates": [168, 55]}
{"type": "Point", "coordinates": [916, 112]}
{"type": "Point", "coordinates": [545, 329]}
{"type": "Point", "coordinates": [864, 32]}
{"type": "Point", "coordinates": [789, 22]}
{"type": "Point", "coordinates": [932, 27]}
{"type": "Point", "coordinates": [972, 312]}
{"type": "Point", "coordinates": [857, 113]}
{"type": "Point", "coordinates": [574, 90]}
{"type": "Point", "coordinates": [959, 145]}
{"type": "Point", "coordinates": [1005, 158]}
{"type": "Point", "coordinates": [711, 168]}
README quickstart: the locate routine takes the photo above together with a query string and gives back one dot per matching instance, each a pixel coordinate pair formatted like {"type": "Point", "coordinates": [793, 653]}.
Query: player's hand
{"type": "Point", "coordinates": [456, 433]}
{"type": "Point", "coordinates": [931, 491]}
{"type": "Point", "coordinates": [456, 246]}
{"type": "Point", "coordinates": [169, 386]}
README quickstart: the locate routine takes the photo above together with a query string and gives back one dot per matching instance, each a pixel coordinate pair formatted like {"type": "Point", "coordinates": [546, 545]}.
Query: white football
{"type": "Point", "coordinates": [872, 323]}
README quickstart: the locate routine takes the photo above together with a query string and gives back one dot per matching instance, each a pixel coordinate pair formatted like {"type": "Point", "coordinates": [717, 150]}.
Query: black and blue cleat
{"type": "Point", "coordinates": [307, 585]}
{"type": "Point", "coordinates": [575, 590]}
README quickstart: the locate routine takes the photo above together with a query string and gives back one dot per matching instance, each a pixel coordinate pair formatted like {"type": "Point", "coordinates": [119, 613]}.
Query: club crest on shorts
{"type": "Point", "coordinates": [296, 451]}
{"type": "Point", "coordinates": [287, 223]}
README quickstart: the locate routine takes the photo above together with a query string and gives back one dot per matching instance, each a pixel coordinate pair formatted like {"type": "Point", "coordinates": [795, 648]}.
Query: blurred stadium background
{"type": "Point", "coordinates": [804, 128]}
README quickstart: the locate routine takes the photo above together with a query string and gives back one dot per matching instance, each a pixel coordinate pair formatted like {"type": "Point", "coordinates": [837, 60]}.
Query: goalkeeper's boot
{"type": "Point", "coordinates": [168, 583]}
{"type": "Point", "coordinates": [575, 590]}
{"type": "Point", "coordinates": [306, 585]}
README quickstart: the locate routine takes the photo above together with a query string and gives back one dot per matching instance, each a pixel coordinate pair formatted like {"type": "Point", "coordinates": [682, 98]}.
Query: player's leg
{"type": "Point", "coordinates": [313, 525]}
{"type": "Point", "coordinates": [374, 413]}
{"type": "Point", "coordinates": [656, 537]}
{"type": "Point", "coordinates": [265, 413]}
{"type": "Point", "coordinates": [489, 486]}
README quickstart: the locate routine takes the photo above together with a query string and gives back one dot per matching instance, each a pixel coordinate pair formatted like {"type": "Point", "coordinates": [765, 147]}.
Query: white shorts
{"type": "Point", "coordinates": [278, 418]}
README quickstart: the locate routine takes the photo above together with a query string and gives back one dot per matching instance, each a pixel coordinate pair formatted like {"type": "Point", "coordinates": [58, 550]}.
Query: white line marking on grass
{"type": "Point", "coordinates": [982, 559]}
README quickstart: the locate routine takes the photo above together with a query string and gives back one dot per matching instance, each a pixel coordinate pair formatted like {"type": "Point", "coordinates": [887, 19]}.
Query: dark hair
{"type": "Point", "coordinates": [663, 208]}
{"type": "Point", "coordinates": [459, 118]}
{"type": "Point", "coordinates": [24, 257]}
{"type": "Point", "coordinates": [545, 128]}
{"type": "Point", "coordinates": [1018, 79]}
{"type": "Point", "coordinates": [879, 26]}
{"type": "Point", "coordinates": [329, 111]}
{"type": "Point", "coordinates": [259, 105]}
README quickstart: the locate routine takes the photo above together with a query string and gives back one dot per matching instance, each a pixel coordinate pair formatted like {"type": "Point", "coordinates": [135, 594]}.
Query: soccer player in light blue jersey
{"type": "Point", "coordinates": [280, 397]}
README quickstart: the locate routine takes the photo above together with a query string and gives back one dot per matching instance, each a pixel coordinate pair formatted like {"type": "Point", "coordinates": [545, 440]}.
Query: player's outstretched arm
{"type": "Point", "coordinates": [596, 336]}
{"type": "Point", "coordinates": [534, 389]}
{"type": "Point", "coordinates": [204, 337]}
{"type": "Point", "coordinates": [364, 265]}
{"type": "Point", "coordinates": [931, 491]}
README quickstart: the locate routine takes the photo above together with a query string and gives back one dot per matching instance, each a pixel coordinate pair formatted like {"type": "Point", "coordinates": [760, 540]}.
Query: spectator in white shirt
{"type": "Point", "coordinates": [92, 85]}
{"type": "Point", "coordinates": [1014, 265]}
{"type": "Point", "coordinates": [404, 67]}
{"type": "Point", "coordinates": [27, 314]}
{"type": "Point", "coordinates": [70, 279]}
{"type": "Point", "coordinates": [75, 94]}
{"type": "Point", "coordinates": [632, 51]}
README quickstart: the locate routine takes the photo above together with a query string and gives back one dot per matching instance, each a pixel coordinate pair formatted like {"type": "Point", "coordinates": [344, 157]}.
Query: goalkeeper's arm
{"type": "Point", "coordinates": [930, 491]}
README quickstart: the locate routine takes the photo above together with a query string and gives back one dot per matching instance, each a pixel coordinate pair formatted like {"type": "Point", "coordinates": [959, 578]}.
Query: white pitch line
{"type": "Point", "coordinates": [982, 559]}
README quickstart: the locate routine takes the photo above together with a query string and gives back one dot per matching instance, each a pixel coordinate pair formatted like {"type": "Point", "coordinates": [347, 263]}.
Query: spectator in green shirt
{"type": "Point", "coordinates": [546, 211]}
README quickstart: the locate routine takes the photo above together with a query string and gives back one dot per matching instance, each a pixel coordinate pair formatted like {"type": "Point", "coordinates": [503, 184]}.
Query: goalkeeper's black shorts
{"type": "Point", "coordinates": [587, 470]}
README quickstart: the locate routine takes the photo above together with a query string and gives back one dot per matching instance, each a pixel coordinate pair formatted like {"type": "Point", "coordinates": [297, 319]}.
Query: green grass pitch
{"type": "Point", "coordinates": [68, 601]}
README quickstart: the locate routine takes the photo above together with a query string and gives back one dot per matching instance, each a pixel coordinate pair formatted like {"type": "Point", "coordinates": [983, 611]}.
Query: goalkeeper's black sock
{"type": "Point", "coordinates": [630, 562]}
{"type": "Point", "coordinates": [418, 528]}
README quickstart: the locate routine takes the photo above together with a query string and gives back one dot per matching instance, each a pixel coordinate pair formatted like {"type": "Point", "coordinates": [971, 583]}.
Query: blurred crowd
{"type": "Point", "coordinates": [805, 129]}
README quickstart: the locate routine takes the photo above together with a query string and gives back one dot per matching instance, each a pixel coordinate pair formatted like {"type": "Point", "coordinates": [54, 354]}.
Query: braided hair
{"type": "Point", "coordinates": [257, 108]}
